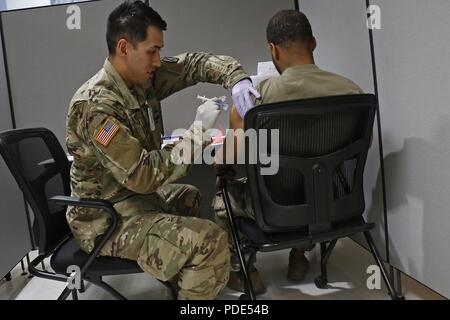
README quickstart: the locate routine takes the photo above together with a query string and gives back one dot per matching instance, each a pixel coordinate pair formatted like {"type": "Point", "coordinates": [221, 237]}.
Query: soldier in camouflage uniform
{"type": "Point", "coordinates": [114, 129]}
{"type": "Point", "coordinates": [292, 44]}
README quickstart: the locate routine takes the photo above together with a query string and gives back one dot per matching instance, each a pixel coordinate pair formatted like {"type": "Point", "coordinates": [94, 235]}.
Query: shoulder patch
{"type": "Point", "coordinates": [107, 132]}
{"type": "Point", "coordinates": [171, 59]}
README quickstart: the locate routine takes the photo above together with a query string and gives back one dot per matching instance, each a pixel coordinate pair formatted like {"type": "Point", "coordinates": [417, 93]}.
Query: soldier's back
{"type": "Point", "coordinates": [305, 81]}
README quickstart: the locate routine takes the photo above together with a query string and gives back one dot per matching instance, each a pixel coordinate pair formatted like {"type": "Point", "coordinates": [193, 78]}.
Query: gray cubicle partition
{"type": "Point", "coordinates": [49, 61]}
{"type": "Point", "coordinates": [15, 240]}
{"type": "Point", "coordinates": [411, 54]}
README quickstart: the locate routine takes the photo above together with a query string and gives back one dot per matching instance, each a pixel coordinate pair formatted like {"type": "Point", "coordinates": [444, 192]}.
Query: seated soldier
{"type": "Point", "coordinates": [291, 44]}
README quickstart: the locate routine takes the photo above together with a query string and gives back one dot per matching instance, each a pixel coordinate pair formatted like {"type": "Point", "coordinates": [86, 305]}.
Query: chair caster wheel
{"type": "Point", "coordinates": [321, 282]}
{"type": "Point", "coordinates": [398, 297]}
{"type": "Point", "coordinates": [244, 297]}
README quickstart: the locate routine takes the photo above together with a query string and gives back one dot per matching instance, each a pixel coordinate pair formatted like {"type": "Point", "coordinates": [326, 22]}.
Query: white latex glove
{"type": "Point", "coordinates": [207, 114]}
{"type": "Point", "coordinates": [242, 96]}
{"type": "Point", "coordinates": [189, 149]}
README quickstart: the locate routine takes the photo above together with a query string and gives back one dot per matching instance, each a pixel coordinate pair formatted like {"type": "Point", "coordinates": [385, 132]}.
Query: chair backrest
{"type": "Point", "coordinates": [323, 145]}
{"type": "Point", "coordinates": [41, 169]}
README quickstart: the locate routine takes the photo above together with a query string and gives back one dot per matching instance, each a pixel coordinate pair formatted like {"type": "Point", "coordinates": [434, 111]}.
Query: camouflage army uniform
{"type": "Point", "coordinates": [298, 82]}
{"type": "Point", "coordinates": [159, 227]}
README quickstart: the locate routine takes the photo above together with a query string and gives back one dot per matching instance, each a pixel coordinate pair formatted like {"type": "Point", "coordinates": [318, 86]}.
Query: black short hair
{"type": "Point", "coordinates": [289, 26]}
{"type": "Point", "coordinates": [130, 20]}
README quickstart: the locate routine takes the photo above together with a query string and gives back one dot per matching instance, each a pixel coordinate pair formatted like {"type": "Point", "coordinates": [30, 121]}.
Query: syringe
{"type": "Point", "coordinates": [220, 101]}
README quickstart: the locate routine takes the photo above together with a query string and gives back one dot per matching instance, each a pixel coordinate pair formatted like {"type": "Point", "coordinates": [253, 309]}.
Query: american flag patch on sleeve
{"type": "Point", "coordinates": [107, 133]}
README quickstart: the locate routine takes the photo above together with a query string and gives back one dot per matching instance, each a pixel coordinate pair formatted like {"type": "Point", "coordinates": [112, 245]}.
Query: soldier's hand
{"type": "Point", "coordinates": [207, 114]}
{"type": "Point", "coordinates": [242, 96]}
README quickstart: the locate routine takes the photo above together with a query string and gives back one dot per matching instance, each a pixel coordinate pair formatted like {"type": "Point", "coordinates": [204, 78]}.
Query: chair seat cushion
{"type": "Point", "coordinates": [70, 254]}
{"type": "Point", "coordinates": [270, 241]}
{"type": "Point", "coordinates": [265, 241]}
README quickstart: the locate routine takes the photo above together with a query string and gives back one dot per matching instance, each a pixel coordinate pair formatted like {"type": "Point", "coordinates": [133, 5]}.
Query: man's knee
{"type": "Point", "coordinates": [212, 244]}
{"type": "Point", "coordinates": [209, 269]}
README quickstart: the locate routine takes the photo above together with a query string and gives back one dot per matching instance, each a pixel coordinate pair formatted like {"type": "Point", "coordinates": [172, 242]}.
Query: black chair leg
{"type": "Point", "coordinates": [64, 294]}
{"type": "Point", "coordinates": [394, 295]}
{"type": "Point", "coordinates": [22, 265]}
{"type": "Point", "coordinates": [74, 294]}
{"type": "Point", "coordinates": [250, 293]}
{"type": "Point", "coordinates": [8, 276]}
{"type": "Point", "coordinates": [325, 253]}
{"type": "Point", "coordinates": [173, 291]}
{"type": "Point", "coordinates": [252, 258]}
{"type": "Point", "coordinates": [28, 263]}
{"type": "Point", "coordinates": [323, 262]}
{"type": "Point", "coordinates": [99, 282]}
{"type": "Point", "coordinates": [82, 287]}
{"type": "Point", "coordinates": [172, 287]}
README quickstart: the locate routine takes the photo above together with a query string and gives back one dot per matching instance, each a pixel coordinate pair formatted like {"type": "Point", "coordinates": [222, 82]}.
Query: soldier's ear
{"type": "Point", "coordinates": [313, 44]}
{"type": "Point", "coordinates": [274, 51]}
{"type": "Point", "coordinates": [122, 47]}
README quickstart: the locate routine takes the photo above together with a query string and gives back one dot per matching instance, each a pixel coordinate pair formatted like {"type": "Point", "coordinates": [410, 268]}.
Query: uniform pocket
{"type": "Point", "coordinates": [161, 258]}
{"type": "Point", "coordinates": [198, 281]}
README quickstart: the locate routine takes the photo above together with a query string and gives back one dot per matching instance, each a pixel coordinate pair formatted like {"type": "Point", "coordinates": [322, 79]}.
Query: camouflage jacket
{"type": "Point", "coordinates": [114, 135]}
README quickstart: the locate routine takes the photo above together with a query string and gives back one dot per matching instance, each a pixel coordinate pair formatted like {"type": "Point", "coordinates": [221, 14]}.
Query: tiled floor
{"type": "Point", "coordinates": [346, 272]}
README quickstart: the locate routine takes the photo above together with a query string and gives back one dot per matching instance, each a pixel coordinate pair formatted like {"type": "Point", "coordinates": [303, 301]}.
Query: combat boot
{"type": "Point", "coordinates": [236, 281]}
{"type": "Point", "coordinates": [298, 265]}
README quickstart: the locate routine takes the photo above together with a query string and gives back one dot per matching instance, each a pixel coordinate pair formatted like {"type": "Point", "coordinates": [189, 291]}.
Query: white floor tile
{"type": "Point", "coordinates": [346, 273]}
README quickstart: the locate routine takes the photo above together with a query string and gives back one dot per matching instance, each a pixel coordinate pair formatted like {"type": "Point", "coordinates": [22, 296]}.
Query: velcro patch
{"type": "Point", "coordinates": [107, 133]}
{"type": "Point", "coordinates": [171, 59]}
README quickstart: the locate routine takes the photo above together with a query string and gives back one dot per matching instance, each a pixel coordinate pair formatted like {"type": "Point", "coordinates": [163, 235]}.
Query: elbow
{"type": "Point", "coordinates": [140, 188]}
{"type": "Point", "coordinates": [143, 183]}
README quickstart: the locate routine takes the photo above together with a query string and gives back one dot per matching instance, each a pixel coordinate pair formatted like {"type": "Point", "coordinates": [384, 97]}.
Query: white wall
{"type": "Point", "coordinates": [19, 4]}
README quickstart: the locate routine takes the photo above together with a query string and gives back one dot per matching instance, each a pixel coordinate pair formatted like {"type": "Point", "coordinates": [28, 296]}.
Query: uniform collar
{"type": "Point", "coordinates": [132, 98]}
{"type": "Point", "coordinates": [300, 69]}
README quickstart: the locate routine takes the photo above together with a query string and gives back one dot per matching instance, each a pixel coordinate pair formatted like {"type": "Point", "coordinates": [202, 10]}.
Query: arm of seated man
{"type": "Point", "coordinates": [226, 167]}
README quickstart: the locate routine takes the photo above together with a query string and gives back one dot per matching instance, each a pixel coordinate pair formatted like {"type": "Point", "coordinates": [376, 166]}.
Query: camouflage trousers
{"type": "Point", "coordinates": [241, 206]}
{"type": "Point", "coordinates": [170, 242]}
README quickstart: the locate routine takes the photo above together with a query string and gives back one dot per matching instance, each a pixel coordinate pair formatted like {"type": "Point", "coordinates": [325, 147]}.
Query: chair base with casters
{"type": "Point", "coordinates": [70, 254]}
{"type": "Point", "coordinates": [257, 240]}
{"type": "Point", "coordinates": [326, 249]}
{"type": "Point", "coordinates": [41, 169]}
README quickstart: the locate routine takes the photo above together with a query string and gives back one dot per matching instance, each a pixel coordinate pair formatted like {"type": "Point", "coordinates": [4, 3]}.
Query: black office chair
{"type": "Point", "coordinates": [317, 195]}
{"type": "Point", "coordinates": [41, 169]}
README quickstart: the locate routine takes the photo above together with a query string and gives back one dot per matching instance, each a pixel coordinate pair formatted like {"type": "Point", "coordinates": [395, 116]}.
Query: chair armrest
{"type": "Point", "coordinates": [92, 203]}
{"type": "Point", "coordinates": [77, 202]}
{"type": "Point", "coordinates": [88, 203]}
{"type": "Point", "coordinates": [50, 162]}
